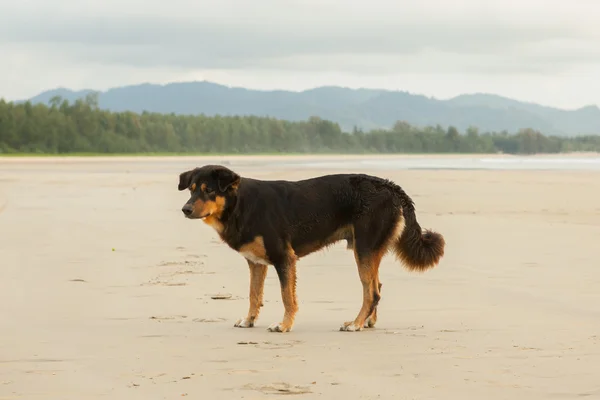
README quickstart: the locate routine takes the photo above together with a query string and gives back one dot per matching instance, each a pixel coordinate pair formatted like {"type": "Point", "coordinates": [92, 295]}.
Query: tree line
{"type": "Point", "coordinates": [82, 127]}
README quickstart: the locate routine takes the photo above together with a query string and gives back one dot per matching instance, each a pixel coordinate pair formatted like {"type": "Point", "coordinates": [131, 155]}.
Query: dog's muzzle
{"type": "Point", "coordinates": [187, 210]}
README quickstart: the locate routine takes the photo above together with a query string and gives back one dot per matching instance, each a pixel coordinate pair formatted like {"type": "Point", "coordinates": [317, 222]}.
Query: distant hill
{"type": "Point", "coordinates": [362, 108]}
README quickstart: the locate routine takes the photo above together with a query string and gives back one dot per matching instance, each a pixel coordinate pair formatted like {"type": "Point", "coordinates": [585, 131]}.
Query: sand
{"type": "Point", "coordinates": [106, 292]}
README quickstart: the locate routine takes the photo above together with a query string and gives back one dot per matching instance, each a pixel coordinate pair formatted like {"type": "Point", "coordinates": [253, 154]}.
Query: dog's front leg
{"type": "Point", "coordinates": [287, 279]}
{"type": "Point", "coordinates": [258, 274]}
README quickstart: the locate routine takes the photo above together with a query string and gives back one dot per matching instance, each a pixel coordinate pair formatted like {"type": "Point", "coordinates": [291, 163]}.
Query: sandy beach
{"type": "Point", "coordinates": [107, 292]}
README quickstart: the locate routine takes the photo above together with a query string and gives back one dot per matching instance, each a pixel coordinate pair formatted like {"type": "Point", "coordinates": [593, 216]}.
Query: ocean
{"type": "Point", "coordinates": [452, 163]}
{"type": "Point", "coordinates": [325, 163]}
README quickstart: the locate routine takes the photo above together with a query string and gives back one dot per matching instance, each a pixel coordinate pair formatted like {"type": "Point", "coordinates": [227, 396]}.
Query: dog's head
{"type": "Point", "coordinates": [212, 187]}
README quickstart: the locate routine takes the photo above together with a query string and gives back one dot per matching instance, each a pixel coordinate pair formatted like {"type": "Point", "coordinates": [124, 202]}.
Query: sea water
{"type": "Point", "coordinates": [453, 163]}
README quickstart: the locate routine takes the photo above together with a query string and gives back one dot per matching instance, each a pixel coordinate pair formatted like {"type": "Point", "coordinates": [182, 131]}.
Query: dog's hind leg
{"type": "Point", "coordinates": [372, 319]}
{"type": "Point", "coordinates": [368, 270]}
{"type": "Point", "coordinates": [258, 274]}
{"type": "Point", "coordinates": [384, 236]}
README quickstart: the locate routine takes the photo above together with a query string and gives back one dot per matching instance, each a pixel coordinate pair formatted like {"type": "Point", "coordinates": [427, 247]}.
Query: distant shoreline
{"type": "Point", "coordinates": [99, 157]}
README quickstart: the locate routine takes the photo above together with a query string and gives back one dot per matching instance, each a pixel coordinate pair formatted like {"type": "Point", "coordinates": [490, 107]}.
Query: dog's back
{"type": "Point", "coordinates": [316, 212]}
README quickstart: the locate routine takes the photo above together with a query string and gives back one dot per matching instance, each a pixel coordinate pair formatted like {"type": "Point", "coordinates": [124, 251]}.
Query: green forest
{"type": "Point", "coordinates": [82, 127]}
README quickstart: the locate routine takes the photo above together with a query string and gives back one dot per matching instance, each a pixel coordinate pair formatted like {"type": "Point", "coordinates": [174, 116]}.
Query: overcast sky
{"type": "Point", "coordinates": [546, 51]}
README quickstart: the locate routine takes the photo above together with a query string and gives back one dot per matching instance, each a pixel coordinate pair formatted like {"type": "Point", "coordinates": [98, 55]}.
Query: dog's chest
{"type": "Point", "coordinates": [256, 259]}
{"type": "Point", "coordinates": [254, 251]}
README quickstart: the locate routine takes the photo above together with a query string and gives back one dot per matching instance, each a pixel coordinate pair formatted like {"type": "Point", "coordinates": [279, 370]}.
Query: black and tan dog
{"type": "Point", "coordinates": [278, 222]}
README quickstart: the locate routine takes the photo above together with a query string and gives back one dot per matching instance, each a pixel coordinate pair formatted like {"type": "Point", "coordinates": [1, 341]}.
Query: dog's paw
{"type": "Point", "coordinates": [244, 323]}
{"type": "Point", "coordinates": [350, 327]}
{"type": "Point", "coordinates": [370, 323]}
{"type": "Point", "coordinates": [279, 327]}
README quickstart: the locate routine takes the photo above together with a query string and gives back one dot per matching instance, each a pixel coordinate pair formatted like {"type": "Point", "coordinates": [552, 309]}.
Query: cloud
{"type": "Point", "coordinates": [88, 43]}
{"type": "Point", "coordinates": [264, 34]}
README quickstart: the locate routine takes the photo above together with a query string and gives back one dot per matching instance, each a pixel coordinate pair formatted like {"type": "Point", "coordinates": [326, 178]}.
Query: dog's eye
{"type": "Point", "coordinates": [209, 191]}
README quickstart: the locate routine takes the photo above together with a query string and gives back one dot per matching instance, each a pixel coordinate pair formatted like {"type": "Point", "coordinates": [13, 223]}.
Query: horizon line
{"type": "Point", "coordinates": [307, 89]}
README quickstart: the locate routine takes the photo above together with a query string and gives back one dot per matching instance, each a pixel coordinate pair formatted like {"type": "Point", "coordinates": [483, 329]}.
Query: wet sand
{"type": "Point", "coordinates": [106, 292]}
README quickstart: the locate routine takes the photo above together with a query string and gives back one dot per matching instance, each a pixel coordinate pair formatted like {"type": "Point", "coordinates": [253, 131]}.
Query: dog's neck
{"type": "Point", "coordinates": [220, 223]}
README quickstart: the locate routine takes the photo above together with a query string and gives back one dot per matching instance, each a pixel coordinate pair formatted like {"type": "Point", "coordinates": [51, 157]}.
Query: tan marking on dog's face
{"type": "Point", "coordinates": [203, 187]}
{"type": "Point", "coordinates": [255, 251]}
{"type": "Point", "coordinates": [193, 187]}
{"type": "Point", "coordinates": [210, 211]}
{"type": "Point", "coordinates": [203, 209]}
{"type": "Point", "coordinates": [213, 210]}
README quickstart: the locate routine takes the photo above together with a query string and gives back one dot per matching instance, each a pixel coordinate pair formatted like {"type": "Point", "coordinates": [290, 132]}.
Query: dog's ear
{"type": "Point", "coordinates": [185, 179]}
{"type": "Point", "coordinates": [226, 179]}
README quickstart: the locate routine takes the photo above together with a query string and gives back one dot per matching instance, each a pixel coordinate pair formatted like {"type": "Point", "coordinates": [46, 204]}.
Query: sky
{"type": "Point", "coordinates": [543, 51]}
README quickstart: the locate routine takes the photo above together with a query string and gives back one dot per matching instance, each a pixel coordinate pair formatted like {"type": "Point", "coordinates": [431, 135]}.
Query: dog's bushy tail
{"type": "Point", "coordinates": [418, 250]}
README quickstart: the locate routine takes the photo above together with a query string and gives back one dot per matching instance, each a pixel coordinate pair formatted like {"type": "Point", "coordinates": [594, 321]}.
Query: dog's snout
{"type": "Point", "coordinates": [187, 209]}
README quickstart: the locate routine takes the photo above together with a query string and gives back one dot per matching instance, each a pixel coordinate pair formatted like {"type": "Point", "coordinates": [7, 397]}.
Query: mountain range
{"type": "Point", "coordinates": [365, 109]}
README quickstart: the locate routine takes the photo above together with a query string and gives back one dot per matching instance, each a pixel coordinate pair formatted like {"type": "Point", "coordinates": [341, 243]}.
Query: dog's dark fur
{"type": "Point", "coordinates": [278, 222]}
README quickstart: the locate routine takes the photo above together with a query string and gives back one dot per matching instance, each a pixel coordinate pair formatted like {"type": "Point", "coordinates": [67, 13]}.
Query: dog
{"type": "Point", "coordinates": [278, 222]}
